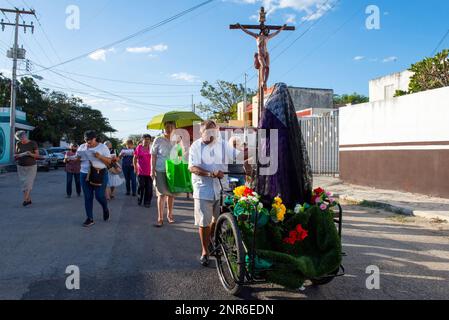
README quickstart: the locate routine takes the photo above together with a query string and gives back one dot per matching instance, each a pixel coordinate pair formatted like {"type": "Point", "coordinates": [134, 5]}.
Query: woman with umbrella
{"type": "Point", "coordinates": [160, 153]}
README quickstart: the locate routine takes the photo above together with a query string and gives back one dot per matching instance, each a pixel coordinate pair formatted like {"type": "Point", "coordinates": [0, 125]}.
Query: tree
{"type": "Point", "coordinates": [430, 73]}
{"type": "Point", "coordinates": [343, 100]}
{"type": "Point", "coordinates": [55, 115]}
{"type": "Point", "coordinates": [223, 99]}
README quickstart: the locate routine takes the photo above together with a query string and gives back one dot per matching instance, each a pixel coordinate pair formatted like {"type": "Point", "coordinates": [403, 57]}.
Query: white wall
{"type": "Point", "coordinates": [420, 117]}
{"type": "Point", "coordinates": [398, 81]}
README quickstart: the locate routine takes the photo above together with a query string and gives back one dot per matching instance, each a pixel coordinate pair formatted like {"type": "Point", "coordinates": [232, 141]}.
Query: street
{"type": "Point", "coordinates": [127, 258]}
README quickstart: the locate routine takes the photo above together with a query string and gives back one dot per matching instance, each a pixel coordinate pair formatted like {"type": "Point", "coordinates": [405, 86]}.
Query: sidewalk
{"type": "Point", "coordinates": [394, 201]}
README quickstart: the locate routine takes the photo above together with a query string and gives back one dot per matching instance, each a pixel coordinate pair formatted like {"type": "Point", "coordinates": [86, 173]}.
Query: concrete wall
{"type": "Point", "coordinates": [384, 88]}
{"type": "Point", "coordinates": [306, 98]}
{"type": "Point", "coordinates": [400, 144]}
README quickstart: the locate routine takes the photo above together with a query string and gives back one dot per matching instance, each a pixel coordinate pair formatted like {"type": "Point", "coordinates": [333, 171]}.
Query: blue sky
{"type": "Point", "coordinates": [338, 51]}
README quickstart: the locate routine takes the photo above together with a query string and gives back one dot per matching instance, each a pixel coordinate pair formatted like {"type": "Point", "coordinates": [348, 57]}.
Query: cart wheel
{"type": "Point", "coordinates": [230, 254]}
{"type": "Point", "coordinates": [325, 280]}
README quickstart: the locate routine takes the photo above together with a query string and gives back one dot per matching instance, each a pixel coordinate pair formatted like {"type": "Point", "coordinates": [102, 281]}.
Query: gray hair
{"type": "Point", "coordinates": [106, 143]}
{"type": "Point", "coordinates": [20, 134]}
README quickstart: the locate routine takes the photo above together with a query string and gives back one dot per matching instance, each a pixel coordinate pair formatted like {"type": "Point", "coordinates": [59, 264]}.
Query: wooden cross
{"type": "Point", "coordinates": [262, 57]}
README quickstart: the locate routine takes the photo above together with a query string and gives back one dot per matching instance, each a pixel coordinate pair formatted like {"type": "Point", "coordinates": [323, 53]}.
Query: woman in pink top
{"type": "Point", "coordinates": [142, 167]}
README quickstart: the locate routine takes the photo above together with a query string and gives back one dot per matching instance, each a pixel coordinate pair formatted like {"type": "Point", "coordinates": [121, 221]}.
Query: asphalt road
{"type": "Point", "coordinates": [127, 258]}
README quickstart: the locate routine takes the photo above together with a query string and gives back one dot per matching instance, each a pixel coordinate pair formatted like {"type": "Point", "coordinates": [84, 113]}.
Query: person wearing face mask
{"type": "Point", "coordinates": [26, 154]}
{"type": "Point", "coordinates": [209, 157]}
{"type": "Point", "coordinates": [72, 169]}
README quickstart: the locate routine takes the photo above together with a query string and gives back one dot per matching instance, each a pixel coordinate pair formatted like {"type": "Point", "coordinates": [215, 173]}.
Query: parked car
{"type": "Point", "coordinates": [46, 161]}
{"type": "Point", "coordinates": [59, 154]}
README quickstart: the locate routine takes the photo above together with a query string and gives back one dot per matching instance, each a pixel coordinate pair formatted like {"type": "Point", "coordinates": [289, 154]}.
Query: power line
{"type": "Point", "coordinates": [440, 43]}
{"type": "Point", "coordinates": [297, 38]}
{"type": "Point", "coordinates": [132, 101]}
{"type": "Point", "coordinates": [324, 42]}
{"type": "Point", "coordinates": [125, 81]}
{"type": "Point", "coordinates": [136, 34]}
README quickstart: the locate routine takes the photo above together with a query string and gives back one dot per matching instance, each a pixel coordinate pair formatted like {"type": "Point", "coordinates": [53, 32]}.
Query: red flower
{"type": "Point", "coordinates": [290, 241]}
{"type": "Point", "coordinates": [297, 235]}
{"type": "Point", "coordinates": [248, 192]}
{"type": "Point", "coordinates": [302, 234]}
{"type": "Point", "coordinates": [318, 191]}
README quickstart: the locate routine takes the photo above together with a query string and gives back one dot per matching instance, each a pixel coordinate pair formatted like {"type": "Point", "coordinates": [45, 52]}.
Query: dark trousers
{"type": "Point", "coordinates": [130, 178]}
{"type": "Point", "coordinates": [70, 179]}
{"type": "Point", "coordinates": [145, 189]}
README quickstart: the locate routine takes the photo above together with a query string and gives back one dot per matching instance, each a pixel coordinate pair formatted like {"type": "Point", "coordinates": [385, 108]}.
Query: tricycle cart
{"type": "Point", "coordinates": [235, 260]}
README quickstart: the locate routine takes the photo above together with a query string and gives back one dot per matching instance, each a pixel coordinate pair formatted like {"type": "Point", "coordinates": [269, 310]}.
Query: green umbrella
{"type": "Point", "coordinates": [181, 118]}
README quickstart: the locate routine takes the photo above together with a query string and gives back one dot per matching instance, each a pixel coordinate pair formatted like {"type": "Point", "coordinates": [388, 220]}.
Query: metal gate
{"type": "Point", "coordinates": [321, 139]}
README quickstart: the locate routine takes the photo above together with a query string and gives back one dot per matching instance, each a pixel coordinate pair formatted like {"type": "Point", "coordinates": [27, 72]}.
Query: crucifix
{"type": "Point", "coordinates": [262, 57]}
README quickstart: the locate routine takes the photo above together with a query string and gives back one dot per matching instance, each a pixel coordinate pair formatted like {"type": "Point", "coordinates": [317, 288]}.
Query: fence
{"type": "Point", "coordinates": [321, 139]}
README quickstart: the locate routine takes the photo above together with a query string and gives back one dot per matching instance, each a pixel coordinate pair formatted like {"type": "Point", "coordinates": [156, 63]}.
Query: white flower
{"type": "Point", "coordinates": [260, 206]}
{"type": "Point", "coordinates": [298, 208]}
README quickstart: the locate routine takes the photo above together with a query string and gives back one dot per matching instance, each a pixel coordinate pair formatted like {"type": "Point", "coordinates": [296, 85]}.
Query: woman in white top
{"type": "Point", "coordinates": [97, 155]}
{"type": "Point", "coordinates": [160, 153]}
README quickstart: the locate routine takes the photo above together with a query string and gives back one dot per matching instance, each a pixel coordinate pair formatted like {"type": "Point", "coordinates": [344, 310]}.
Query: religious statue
{"type": "Point", "coordinates": [262, 57]}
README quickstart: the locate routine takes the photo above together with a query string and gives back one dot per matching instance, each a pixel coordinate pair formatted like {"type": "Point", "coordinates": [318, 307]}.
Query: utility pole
{"type": "Point", "coordinates": [15, 53]}
{"type": "Point", "coordinates": [245, 116]}
{"type": "Point", "coordinates": [193, 105]}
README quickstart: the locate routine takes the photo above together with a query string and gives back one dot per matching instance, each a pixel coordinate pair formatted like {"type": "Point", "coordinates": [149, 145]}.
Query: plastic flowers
{"type": "Point", "coordinates": [297, 235]}
{"type": "Point", "coordinates": [323, 199]}
{"type": "Point", "coordinates": [243, 191]}
{"type": "Point", "coordinates": [279, 210]}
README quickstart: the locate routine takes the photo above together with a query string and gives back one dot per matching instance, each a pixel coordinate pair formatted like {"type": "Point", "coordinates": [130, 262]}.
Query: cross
{"type": "Point", "coordinates": [262, 57]}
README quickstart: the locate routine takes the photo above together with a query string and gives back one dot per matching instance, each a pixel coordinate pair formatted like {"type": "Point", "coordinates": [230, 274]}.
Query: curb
{"type": "Point", "coordinates": [405, 211]}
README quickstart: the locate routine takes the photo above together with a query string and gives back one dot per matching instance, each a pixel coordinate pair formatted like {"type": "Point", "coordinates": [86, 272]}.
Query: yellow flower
{"type": "Point", "coordinates": [238, 192]}
{"type": "Point", "coordinates": [278, 201]}
{"type": "Point", "coordinates": [281, 212]}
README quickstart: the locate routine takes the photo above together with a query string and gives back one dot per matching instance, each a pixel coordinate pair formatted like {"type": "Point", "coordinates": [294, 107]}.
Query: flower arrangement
{"type": "Point", "coordinates": [323, 199]}
{"type": "Point", "coordinates": [298, 243]}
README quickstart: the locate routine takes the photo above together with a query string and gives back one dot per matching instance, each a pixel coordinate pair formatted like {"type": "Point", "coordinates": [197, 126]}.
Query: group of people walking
{"type": "Point", "coordinates": [95, 168]}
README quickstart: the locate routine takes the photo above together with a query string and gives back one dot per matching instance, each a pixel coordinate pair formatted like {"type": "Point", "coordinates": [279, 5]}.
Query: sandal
{"type": "Point", "coordinates": [159, 224]}
{"type": "Point", "coordinates": [170, 220]}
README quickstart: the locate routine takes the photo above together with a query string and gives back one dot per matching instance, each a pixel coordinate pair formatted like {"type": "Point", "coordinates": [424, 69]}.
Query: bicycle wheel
{"type": "Point", "coordinates": [230, 254]}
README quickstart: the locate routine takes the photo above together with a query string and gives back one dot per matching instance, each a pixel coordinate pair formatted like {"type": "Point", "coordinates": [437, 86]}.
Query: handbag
{"type": "Point", "coordinates": [115, 168]}
{"type": "Point", "coordinates": [95, 177]}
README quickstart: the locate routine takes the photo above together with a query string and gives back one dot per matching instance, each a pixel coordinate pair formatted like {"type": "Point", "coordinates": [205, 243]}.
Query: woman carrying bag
{"type": "Point", "coordinates": [95, 158]}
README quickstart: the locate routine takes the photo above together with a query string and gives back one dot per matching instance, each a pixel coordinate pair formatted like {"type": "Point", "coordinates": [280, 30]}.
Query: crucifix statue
{"type": "Point", "coordinates": [262, 57]}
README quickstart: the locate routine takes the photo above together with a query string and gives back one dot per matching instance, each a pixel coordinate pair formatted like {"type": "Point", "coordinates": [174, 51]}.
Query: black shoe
{"type": "Point", "coordinates": [68, 196]}
{"type": "Point", "coordinates": [26, 203]}
{"type": "Point", "coordinates": [139, 201]}
{"type": "Point", "coordinates": [128, 193]}
{"type": "Point", "coordinates": [134, 195]}
{"type": "Point", "coordinates": [204, 260]}
{"type": "Point", "coordinates": [79, 194]}
{"type": "Point", "coordinates": [148, 205]}
{"type": "Point", "coordinates": [106, 215]}
{"type": "Point", "coordinates": [88, 223]}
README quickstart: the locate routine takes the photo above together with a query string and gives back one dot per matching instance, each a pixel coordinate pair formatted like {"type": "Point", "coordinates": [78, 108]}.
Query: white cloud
{"type": "Point", "coordinates": [359, 58]}
{"type": "Point", "coordinates": [290, 18]}
{"type": "Point", "coordinates": [121, 109]}
{"type": "Point", "coordinates": [313, 9]}
{"type": "Point", "coordinates": [390, 59]}
{"type": "Point", "coordinates": [100, 55]}
{"type": "Point", "coordinates": [185, 77]}
{"type": "Point", "coordinates": [156, 48]}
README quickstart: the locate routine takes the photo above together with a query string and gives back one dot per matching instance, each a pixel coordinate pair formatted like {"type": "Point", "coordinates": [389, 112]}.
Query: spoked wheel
{"type": "Point", "coordinates": [230, 254]}
{"type": "Point", "coordinates": [325, 280]}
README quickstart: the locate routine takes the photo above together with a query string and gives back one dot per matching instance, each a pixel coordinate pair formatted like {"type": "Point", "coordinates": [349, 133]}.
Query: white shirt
{"type": "Point", "coordinates": [87, 156]}
{"type": "Point", "coordinates": [212, 157]}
